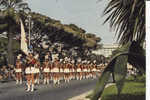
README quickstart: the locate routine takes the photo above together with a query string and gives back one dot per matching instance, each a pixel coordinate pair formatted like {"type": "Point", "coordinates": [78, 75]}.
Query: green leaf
{"type": "Point", "coordinates": [123, 49]}
{"type": "Point", "coordinates": [120, 70]}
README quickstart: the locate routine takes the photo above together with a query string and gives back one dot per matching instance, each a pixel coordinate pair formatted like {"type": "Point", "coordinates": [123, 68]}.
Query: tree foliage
{"type": "Point", "coordinates": [48, 31]}
{"type": "Point", "coordinates": [10, 17]}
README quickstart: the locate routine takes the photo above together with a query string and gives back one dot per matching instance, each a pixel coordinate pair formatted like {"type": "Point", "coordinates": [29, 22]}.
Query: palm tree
{"type": "Point", "coordinates": [127, 17]}
{"type": "Point", "coordinates": [11, 14]}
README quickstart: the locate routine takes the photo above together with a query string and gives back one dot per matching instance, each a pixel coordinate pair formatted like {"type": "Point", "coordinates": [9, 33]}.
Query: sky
{"type": "Point", "coordinates": [87, 14]}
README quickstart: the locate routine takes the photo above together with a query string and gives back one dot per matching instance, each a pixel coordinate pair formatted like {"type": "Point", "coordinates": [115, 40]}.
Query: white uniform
{"type": "Point", "coordinates": [18, 70]}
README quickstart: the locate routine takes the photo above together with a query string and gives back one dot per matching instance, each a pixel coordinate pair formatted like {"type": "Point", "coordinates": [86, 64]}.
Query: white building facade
{"type": "Point", "coordinates": [106, 50]}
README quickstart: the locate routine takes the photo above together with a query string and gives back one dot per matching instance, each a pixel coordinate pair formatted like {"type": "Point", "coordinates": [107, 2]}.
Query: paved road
{"type": "Point", "coordinates": [11, 91]}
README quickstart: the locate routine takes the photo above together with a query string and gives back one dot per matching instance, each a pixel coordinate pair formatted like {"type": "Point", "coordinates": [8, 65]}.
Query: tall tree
{"type": "Point", "coordinates": [11, 11]}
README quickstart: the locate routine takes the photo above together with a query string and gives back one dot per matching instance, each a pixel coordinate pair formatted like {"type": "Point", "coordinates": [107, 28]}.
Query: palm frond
{"type": "Point", "coordinates": [130, 52]}
{"type": "Point", "coordinates": [128, 19]}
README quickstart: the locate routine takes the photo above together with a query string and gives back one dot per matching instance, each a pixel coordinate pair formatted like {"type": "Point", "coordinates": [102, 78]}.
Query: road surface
{"type": "Point", "coordinates": [11, 91]}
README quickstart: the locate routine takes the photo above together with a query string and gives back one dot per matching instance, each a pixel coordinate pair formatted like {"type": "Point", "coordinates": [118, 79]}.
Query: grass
{"type": "Point", "coordinates": [134, 89]}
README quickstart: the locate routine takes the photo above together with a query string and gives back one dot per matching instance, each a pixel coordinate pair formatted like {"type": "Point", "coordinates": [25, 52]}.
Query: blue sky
{"type": "Point", "coordinates": [86, 14]}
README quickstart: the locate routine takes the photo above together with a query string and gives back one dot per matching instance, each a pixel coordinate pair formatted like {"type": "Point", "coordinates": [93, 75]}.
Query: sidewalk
{"type": "Point", "coordinates": [83, 96]}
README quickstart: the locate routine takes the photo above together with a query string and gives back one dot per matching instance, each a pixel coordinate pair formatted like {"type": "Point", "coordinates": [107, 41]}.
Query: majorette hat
{"type": "Point", "coordinates": [72, 61]}
{"type": "Point", "coordinates": [79, 60]}
{"type": "Point", "coordinates": [54, 57]}
{"type": "Point", "coordinates": [30, 51]}
{"type": "Point", "coordinates": [19, 56]}
{"type": "Point", "coordinates": [84, 61]}
{"type": "Point", "coordinates": [36, 56]}
{"type": "Point", "coordinates": [60, 60]}
{"type": "Point", "coordinates": [94, 61]}
{"type": "Point", "coordinates": [88, 62]}
{"type": "Point", "coordinates": [69, 59]}
{"type": "Point", "coordinates": [66, 59]}
{"type": "Point", "coordinates": [46, 57]}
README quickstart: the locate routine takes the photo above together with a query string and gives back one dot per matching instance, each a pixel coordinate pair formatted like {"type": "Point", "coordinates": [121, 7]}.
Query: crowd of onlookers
{"type": "Point", "coordinates": [7, 72]}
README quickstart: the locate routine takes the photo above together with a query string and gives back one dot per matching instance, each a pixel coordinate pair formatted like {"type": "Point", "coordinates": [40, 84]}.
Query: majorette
{"type": "Point", "coordinates": [46, 69]}
{"type": "Point", "coordinates": [55, 71]}
{"type": "Point", "coordinates": [18, 69]}
{"type": "Point", "coordinates": [37, 69]}
{"type": "Point", "coordinates": [30, 71]}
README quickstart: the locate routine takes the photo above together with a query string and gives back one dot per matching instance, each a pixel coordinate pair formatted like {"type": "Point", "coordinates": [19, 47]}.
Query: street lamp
{"type": "Point", "coordinates": [30, 25]}
{"type": "Point", "coordinates": [29, 19]}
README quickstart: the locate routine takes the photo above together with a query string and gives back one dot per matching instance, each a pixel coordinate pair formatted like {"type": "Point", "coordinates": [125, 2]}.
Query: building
{"type": "Point", "coordinates": [106, 50]}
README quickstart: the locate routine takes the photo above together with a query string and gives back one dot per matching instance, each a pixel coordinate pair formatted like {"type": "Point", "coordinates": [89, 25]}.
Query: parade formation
{"type": "Point", "coordinates": [54, 70]}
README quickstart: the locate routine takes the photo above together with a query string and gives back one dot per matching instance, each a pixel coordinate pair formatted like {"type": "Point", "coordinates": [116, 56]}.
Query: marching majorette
{"type": "Point", "coordinates": [88, 70]}
{"type": "Point", "coordinates": [84, 69]}
{"type": "Point", "coordinates": [46, 70]}
{"type": "Point", "coordinates": [79, 70]}
{"type": "Point", "coordinates": [55, 71]}
{"type": "Point", "coordinates": [61, 69]}
{"type": "Point", "coordinates": [72, 69]}
{"type": "Point", "coordinates": [47, 55]}
{"type": "Point", "coordinates": [30, 71]}
{"type": "Point", "coordinates": [37, 69]}
{"type": "Point", "coordinates": [18, 69]}
{"type": "Point", "coordinates": [66, 69]}
{"type": "Point", "coordinates": [94, 69]}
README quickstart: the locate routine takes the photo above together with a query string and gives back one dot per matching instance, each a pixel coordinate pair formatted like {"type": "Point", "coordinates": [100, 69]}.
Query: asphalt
{"type": "Point", "coordinates": [11, 91]}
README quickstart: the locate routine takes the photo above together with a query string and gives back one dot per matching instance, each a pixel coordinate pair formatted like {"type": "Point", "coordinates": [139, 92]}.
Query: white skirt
{"type": "Point", "coordinates": [84, 70]}
{"type": "Point", "coordinates": [88, 70]}
{"type": "Point", "coordinates": [98, 70]}
{"type": "Point", "coordinates": [79, 70]}
{"type": "Point", "coordinates": [33, 70]}
{"type": "Point", "coordinates": [61, 70]}
{"type": "Point", "coordinates": [46, 70]}
{"type": "Point", "coordinates": [18, 70]}
{"type": "Point", "coordinates": [94, 70]}
{"type": "Point", "coordinates": [66, 70]}
{"type": "Point", "coordinates": [37, 70]}
{"type": "Point", "coordinates": [72, 70]}
{"type": "Point", "coordinates": [28, 70]}
{"type": "Point", "coordinates": [55, 70]}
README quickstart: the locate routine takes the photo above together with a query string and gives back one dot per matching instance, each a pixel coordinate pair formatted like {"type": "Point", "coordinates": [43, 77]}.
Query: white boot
{"type": "Point", "coordinates": [77, 78]}
{"type": "Point", "coordinates": [20, 81]}
{"type": "Point", "coordinates": [32, 89]}
{"type": "Point", "coordinates": [47, 81]}
{"type": "Point", "coordinates": [35, 81]}
{"type": "Point", "coordinates": [28, 87]}
{"type": "Point", "coordinates": [44, 81]}
{"type": "Point", "coordinates": [38, 81]}
{"type": "Point", "coordinates": [80, 78]}
{"type": "Point", "coordinates": [68, 80]}
{"type": "Point", "coordinates": [54, 81]}
{"type": "Point", "coordinates": [17, 81]}
{"type": "Point", "coordinates": [58, 81]}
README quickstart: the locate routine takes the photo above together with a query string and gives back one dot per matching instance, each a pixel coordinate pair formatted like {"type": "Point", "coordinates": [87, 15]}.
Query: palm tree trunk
{"type": "Point", "coordinates": [10, 51]}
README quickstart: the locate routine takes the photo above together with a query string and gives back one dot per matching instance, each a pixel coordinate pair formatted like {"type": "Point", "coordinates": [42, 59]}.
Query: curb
{"type": "Point", "coordinates": [83, 95]}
